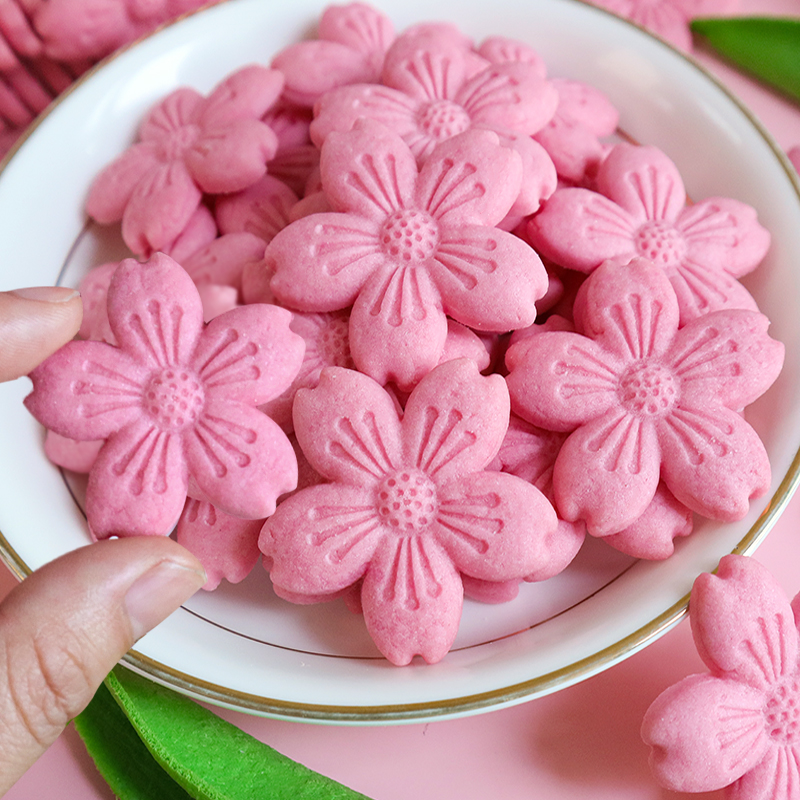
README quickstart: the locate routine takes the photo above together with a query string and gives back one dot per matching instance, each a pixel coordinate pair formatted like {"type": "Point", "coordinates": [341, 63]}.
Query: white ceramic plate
{"type": "Point", "coordinates": [242, 647]}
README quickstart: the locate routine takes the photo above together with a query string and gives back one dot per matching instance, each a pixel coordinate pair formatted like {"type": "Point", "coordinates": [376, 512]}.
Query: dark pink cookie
{"type": "Point", "coordinates": [408, 248]}
{"type": "Point", "coordinates": [175, 402]}
{"type": "Point", "coordinates": [188, 144]}
{"type": "Point", "coordinates": [639, 210]}
{"type": "Point", "coordinates": [737, 726]}
{"type": "Point", "coordinates": [646, 400]}
{"type": "Point", "coordinates": [409, 507]}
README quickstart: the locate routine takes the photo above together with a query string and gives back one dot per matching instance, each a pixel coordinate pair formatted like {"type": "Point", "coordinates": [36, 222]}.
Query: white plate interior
{"type": "Point", "coordinates": [241, 646]}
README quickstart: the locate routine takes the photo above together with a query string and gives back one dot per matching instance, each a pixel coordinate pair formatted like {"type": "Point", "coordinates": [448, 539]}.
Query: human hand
{"type": "Point", "coordinates": [66, 625]}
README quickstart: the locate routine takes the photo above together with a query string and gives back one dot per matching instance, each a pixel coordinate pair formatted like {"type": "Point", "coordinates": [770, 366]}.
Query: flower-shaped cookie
{"type": "Point", "coordinates": [188, 144]}
{"type": "Point", "coordinates": [427, 95]}
{"type": "Point", "coordinates": [646, 400]}
{"type": "Point", "coordinates": [406, 248]}
{"type": "Point", "coordinates": [409, 507]}
{"type": "Point", "coordinates": [640, 210]}
{"type": "Point", "coordinates": [352, 42]}
{"type": "Point", "coordinates": [739, 726]}
{"type": "Point", "coordinates": [175, 402]}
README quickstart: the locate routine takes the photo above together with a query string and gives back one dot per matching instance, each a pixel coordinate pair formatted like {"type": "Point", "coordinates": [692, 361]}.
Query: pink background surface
{"type": "Point", "coordinates": [582, 742]}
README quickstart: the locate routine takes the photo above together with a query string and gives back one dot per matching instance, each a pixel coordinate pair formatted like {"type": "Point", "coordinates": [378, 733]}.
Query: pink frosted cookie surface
{"type": "Point", "coordinates": [175, 402]}
{"type": "Point", "coordinates": [409, 506]}
{"type": "Point", "coordinates": [644, 399]}
{"type": "Point", "coordinates": [735, 727]}
{"type": "Point", "coordinates": [188, 145]}
{"type": "Point", "coordinates": [640, 210]}
{"type": "Point", "coordinates": [406, 247]}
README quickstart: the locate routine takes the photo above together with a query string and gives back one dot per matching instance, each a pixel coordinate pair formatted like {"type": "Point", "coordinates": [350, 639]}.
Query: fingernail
{"type": "Point", "coordinates": [157, 593]}
{"type": "Point", "coordinates": [47, 294]}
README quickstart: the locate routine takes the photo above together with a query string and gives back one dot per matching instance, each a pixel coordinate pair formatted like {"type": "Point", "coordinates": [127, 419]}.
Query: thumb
{"type": "Point", "coordinates": [34, 323]}
{"type": "Point", "coordinates": [66, 625]}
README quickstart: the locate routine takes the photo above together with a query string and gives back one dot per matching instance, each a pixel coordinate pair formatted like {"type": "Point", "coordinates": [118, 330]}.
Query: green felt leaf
{"type": "Point", "coordinates": [767, 47]}
{"type": "Point", "coordinates": [120, 755]}
{"type": "Point", "coordinates": [210, 758]}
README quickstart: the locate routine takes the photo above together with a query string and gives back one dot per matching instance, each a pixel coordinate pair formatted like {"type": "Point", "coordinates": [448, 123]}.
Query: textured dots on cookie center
{"type": "Point", "coordinates": [410, 235]}
{"type": "Point", "coordinates": [333, 344]}
{"type": "Point", "coordinates": [648, 389]}
{"type": "Point", "coordinates": [407, 502]}
{"type": "Point", "coordinates": [174, 399]}
{"type": "Point", "coordinates": [442, 119]}
{"type": "Point", "coordinates": [782, 712]}
{"type": "Point", "coordinates": [661, 243]}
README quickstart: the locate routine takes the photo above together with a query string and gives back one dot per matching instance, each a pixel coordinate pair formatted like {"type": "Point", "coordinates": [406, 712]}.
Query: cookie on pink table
{"type": "Point", "coordinates": [640, 210]}
{"type": "Point", "coordinates": [736, 727]}
{"type": "Point", "coordinates": [407, 248]}
{"type": "Point", "coordinates": [644, 400]}
{"type": "Point", "coordinates": [188, 145]}
{"type": "Point", "coordinates": [409, 506]}
{"type": "Point", "coordinates": [175, 401]}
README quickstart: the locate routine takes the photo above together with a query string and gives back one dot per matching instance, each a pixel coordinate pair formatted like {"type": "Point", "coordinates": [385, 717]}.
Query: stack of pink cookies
{"type": "Point", "coordinates": [406, 318]}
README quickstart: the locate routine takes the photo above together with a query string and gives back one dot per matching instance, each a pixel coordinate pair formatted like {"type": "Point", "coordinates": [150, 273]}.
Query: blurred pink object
{"type": "Point", "coordinates": [668, 19]}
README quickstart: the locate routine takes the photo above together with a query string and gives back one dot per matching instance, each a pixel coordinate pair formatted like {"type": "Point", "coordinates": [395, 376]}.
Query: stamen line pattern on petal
{"type": "Point", "coordinates": [126, 394]}
{"type": "Point", "coordinates": [637, 321]}
{"type": "Point", "coordinates": [621, 444]}
{"type": "Point", "coordinates": [410, 575]}
{"type": "Point", "coordinates": [698, 433]}
{"type": "Point", "coordinates": [151, 454]}
{"type": "Point", "coordinates": [212, 430]}
{"type": "Point", "coordinates": [384, 191]}
{"type": "Point", "coordinates": [236, 367]}
{"type": "Point", "coordinates": [608, 219]}
{"type": "Point", "coordinates": [339, 247]}
{"type": "Point", "coordinates": [705, 283]}
{"type": "Point", "coordinates": [462, 261]}
{"type": "Point", "coordinates": [648, 187]}
{"type": "Point", "coordinates": [400, 298]}
{"type": "Point", "coordinates": [431, 72]}
{"type": "Point", "coordinates": [709, 221]}
{"type": "Point", "coordinates": [769, 655]}
{"type": "Point", "coordinates": [438, 447]}
{"type": "Point", "coordinates": [361, 446]}
{"type": "Point", "coordinates": [494, 89]}
{"type": "Point", "coordinates": [709, 346]}
{"type": "Point", "coordinates": [472, 528]}
{"type": "Point", "coordinates": [599, 376]}
{"type": "Point", "coordinates": [737, 729]}
{"type": "Point", "coordinates": [454, 187]}
{"type": "Point", "coordinates": [351, 524]}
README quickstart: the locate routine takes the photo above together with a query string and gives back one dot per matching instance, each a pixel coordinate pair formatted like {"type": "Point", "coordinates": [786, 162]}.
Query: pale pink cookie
{"type": "Point", "coordinates": [216, 299]}
{"type": "Point", "coordinates": [409, 507]}
{"type": "Point", "coordinates": [176, 402]}
{"type": "Point", "coordinates": [646, 400]}
{"type": "Point", "coordinates": [735, 727]}
{"type": "Point", "coordinates": [426, 96]}
{"type": "Point", "coordinates": [188, 145]}
{"type": "Point", "coordinates": [407, 248]}
{"type": "Point", "coordinates": [296, 156]}
{"type": "Point", "coordinates": [640, 209]}
{"type": "Point", "coordinates": [226, 546]}
{"type": "Point", "coordinates": [503, 50]}
{"type": "Point", "coordinates": [223, 261]}
{"type": "Point", "coordinates": [94, 293]}
{"type": "Point", "coordinates": [73, 30]}
{"type": "Point", "coordinates": [668, 19]}
{"type": "Point", "coordinates": [71, 454]}
{"type": "Point", "coordinates": [262, 209]}
{"type": "Point", "coordinates": [572, 138]}
{"type": "Point", "coordinates": [352, 42]}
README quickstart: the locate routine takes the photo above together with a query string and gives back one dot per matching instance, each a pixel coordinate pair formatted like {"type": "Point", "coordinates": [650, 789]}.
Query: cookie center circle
{"type": "Point", "coordinates": [648, 389]}
{"type": "Point", "coordinates": [174, 399]}
{"type": "Point", "coordinates": [410, 235]}
{"type": "Point", "coordinates": [178, 141]}
{"type": "Point", "coordinates": [333, 344]}
{"type": "Point", "coordinates": [443, 119]}
{"type": "Point", "coordinates": [661, 243]}
{"type": "Point", "coordinates": [782, 712]}
{"type": "Point", "coordinates": [407, 502]}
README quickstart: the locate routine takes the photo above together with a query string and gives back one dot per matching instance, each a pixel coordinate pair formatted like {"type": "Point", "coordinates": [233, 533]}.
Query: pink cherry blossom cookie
{"type": "Point", "coordinates": [188, 145]}
{"type": "Point", "coordinates": [350, 48]}
{"type": "Point", "coordinates": [409, 507]}
{"type": "Point", "coordinates": [645, 400]}
{"type": "Point", "coordinates": [639, 209]}
{"type": "Point", "coordinates": [407, 248]}
{"type": "Point", "coordinates": [175, 401]}
{"type": "Point", "coordinates": [737, 727]}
